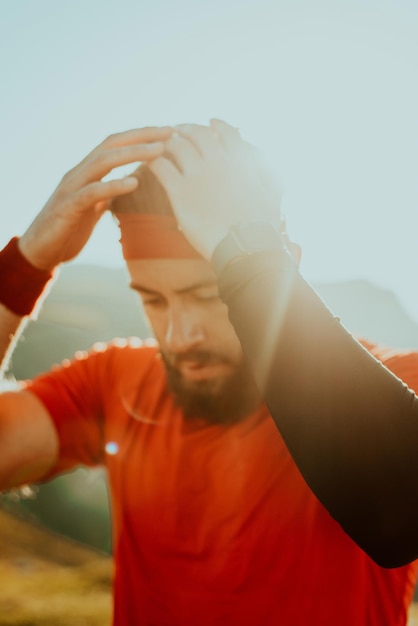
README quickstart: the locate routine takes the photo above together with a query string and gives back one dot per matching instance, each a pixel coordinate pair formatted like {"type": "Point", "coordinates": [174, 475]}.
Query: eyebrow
{"type": "Point", "coordinates": [194, 287]}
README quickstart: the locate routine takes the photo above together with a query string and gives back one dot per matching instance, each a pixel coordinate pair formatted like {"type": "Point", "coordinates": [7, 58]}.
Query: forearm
{"type": "Point", "coordinates": [350, 425]}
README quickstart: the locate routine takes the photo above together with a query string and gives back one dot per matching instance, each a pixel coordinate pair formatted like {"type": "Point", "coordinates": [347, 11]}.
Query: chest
{"type": "Point", "coordinates": [183, 484]}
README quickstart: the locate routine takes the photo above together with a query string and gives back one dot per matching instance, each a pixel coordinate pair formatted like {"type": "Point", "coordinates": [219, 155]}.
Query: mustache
{"type": "Point", "coordinates": [200, 357]}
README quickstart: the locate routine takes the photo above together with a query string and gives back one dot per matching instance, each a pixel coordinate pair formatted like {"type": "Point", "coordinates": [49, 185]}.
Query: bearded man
{"type": "Point", "coordinates": [212, 522]}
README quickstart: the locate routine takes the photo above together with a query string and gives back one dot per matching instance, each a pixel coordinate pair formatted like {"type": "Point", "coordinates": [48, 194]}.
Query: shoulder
{"type": "Point", "coordinates": [101, 372]}
{"type": "Point", "coordinates": [129, 348]}
{"type": "Point", "coordinates": [105, 360]}
{"type": "Point", "coordinates": [129, 356]}
{"type": "Point", "coordinates": [403, 363]}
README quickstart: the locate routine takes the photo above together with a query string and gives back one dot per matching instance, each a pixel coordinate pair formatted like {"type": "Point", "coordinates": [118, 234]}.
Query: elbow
{"type": "Point", "coordinates": [388, 544]}
{"type": "Point", "coordinates": [390, 556]}
{"type": "Point", "coordinates": [394, 550]}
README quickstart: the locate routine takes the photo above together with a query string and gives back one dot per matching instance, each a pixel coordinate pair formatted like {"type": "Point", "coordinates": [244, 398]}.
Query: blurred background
{"type": "Point", "coordinates": [326, 89]}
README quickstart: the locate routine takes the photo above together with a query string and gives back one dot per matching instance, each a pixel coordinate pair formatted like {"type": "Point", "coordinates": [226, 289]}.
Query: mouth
{"type": "Point", "coordinates": [198, 370]}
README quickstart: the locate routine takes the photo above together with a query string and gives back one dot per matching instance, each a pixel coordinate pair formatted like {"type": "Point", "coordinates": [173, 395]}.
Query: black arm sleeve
{"type": "Point", "coordinates": [350, 424]}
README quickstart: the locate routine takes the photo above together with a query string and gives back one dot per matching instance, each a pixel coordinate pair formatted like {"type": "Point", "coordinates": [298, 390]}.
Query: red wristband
{"type": "Point", "coordinates": [21, 284]}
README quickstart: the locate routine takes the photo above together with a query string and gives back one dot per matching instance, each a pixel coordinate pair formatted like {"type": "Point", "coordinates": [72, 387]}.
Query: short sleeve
{"type": "Point", "coordinates": [72, 394]}
{"type": "Point", "coordinates": [402, 363]}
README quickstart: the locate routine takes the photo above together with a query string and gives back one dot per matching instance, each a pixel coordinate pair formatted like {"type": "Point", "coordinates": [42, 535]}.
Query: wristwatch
{"type": "Point", "coordinates": [244, 239]}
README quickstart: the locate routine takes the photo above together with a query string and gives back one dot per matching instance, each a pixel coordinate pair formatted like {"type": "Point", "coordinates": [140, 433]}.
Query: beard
{"type": "Point", "coordinates": [223, 400]}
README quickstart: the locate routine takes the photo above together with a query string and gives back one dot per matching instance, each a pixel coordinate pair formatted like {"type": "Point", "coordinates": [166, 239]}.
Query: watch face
{"type": "Point", "coordinates": [256, 236]}
{"type": "Point", "coordinates": [243, 239]}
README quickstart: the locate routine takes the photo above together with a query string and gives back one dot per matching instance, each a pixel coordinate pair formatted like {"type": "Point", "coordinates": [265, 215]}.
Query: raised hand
{"type": "Point", "coordinates": [62, 228]}
{"type": "Point", "coordinates": [218, 181]}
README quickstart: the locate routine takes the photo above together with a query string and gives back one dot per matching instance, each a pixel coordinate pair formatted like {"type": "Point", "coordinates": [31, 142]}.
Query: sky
{"type": "Point", "coordinates": [328, 90]}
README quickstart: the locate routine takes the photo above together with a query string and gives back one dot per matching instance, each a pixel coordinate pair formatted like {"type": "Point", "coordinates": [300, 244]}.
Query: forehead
{"type": "Point", "coordinates": [170, 274]}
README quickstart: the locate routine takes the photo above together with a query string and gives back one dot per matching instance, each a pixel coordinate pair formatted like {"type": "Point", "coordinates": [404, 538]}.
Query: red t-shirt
{"type": "Point", "coordinates": [212, 525]}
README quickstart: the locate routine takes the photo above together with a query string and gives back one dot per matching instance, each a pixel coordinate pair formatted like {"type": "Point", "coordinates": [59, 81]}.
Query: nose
{"type": "Point", "coordinates": [184, 330]}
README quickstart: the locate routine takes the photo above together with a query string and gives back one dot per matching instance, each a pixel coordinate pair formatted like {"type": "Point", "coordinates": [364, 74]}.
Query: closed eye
{"type": "Point", "coordinates": [200, 292]}
{"type": "Point", "coordinates": [149, 298]}
{"type": "Point", "coordinates": [152, 301]}
{"type": "Point", "coordinates": [207, 293]}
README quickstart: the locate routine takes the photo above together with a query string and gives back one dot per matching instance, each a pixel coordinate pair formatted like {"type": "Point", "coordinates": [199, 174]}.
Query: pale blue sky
{"type": "Point", "coordinates": [327, 89]}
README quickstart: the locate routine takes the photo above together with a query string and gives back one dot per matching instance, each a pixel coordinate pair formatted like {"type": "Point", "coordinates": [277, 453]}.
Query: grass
{"type": "Point", "coordinates": [55, 596]}
{"type": "Point", "coordinates": [413, 615]}
{"type": "Point", "coordinates": [48, 580]}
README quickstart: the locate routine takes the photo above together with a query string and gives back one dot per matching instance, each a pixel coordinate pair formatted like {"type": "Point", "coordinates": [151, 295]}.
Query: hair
{"type": "Point", "coordinates": [149, 197]}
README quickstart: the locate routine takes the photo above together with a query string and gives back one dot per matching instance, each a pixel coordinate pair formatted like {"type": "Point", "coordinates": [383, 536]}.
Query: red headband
{"type": "Point", "coordinates": [146, 236]}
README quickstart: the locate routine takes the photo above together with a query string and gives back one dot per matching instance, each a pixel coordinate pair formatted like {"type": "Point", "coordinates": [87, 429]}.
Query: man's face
{"type": "Point", "coordinates": [205, 364]}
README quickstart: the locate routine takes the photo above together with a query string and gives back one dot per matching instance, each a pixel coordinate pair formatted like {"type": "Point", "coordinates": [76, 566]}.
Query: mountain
{"type": "Point", "coordinates": [86, 304]}
{"type": "Point", "coordinates": [371, 312]}
{"type": "Point", "coordinates": [29, 545]}
{"type": "Point", "coordinates": [89, 304]}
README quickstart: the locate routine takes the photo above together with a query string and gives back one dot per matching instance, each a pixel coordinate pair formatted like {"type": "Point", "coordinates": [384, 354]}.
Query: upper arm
{"type": "Point", "coordinates": [28, 439]}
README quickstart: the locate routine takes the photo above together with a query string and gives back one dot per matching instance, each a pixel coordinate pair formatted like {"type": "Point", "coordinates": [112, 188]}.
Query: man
{"type": "Point", "coordinates": [212, 522]}
{"type": "Point", "coordinates": [350, 425]}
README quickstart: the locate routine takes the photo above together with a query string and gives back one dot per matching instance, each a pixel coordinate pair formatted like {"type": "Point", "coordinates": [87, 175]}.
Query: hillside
{"type": "Point", "coordinates": [89, 304]}
{"type": "Point", "coordinates": [50, 580]}
{"type": "Point", "coordinates": [86, 304]}
{"type": "Point", "coordinates": [370, 311]}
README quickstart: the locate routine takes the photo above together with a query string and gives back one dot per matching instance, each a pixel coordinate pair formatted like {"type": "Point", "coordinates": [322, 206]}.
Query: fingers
{"type": "Point", "coordinates": [168, 175]}
{"type": "Point", "coordinates": [98, 164]}
{"type": "Point", "coordinates": [228, 136]}
{"type": "Point", "coordinates": [182, 153]}
{"type": "Point", "coordinates": [97, 194]}
{"type": "Point", "coordinates": [202, 137]}
{"type": "Point", "coordinates": [140, 144]}
{"type": "Point", "coordinates": [150, 134]}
